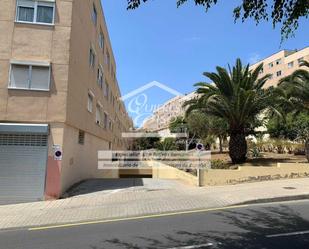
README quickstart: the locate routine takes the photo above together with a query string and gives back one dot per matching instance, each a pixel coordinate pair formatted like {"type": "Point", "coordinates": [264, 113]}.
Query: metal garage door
{"type": "Point", "coordinates": [23, 159]}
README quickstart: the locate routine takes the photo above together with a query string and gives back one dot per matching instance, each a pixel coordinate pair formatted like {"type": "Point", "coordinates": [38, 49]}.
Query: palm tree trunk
{"type": "Point", "coordinates": [220, 144]}
{"type": "Point", "coordinates": [238, 147]}
{"type": "Point", "coordinates": [307, 149]}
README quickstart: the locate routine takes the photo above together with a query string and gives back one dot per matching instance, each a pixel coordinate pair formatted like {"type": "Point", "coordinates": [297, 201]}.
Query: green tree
{"type": "Point", "coordinates": [178, 125]}
{"type": "Point", "coordinates": [293, 93]}
{"type": "Point", "coordinates": [198, 124]}
{"type": "Point", "coordinates": [238, 97]}
{"type": "Point", "coordinates": [145, 143]}
{"type": "Point", "coordinates": [208, 127]}
{"type": "Point", "coordinates": [282, 128]}
{"type": "Point", "coordinates": [167, 144]}
{"type": "Point", "coordinates": [282, 12]}
{"type": "Point", "coordinates": [295, 88]}
{"type": "Point", "coordinates": [218, 127]}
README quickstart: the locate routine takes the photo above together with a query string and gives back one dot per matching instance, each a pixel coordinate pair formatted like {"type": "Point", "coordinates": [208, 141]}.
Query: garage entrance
{"type": "Point", "coordinates": [23, 159]}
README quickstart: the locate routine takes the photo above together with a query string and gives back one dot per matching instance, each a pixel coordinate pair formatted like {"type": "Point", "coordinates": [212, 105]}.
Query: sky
{"type": "Point", "coordinates": [174, 46]}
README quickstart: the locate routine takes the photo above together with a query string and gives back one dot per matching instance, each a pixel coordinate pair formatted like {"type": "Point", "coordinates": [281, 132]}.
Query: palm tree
{"type": "Point", "coordinates": [236, 96]}
{"type": "Point", "coordinates": [296, 87]}
{"type": "Point", "coordinates": [293, 92]}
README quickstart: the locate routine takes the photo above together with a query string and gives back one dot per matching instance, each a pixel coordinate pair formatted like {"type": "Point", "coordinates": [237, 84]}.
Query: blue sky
{"type": "Point", "coordinates": [175, 46]}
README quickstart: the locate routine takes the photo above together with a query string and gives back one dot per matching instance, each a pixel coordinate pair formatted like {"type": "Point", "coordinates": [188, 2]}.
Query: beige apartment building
{"type": "Point", "coordinates": [59, 97]}
{"type": "Point", "coordinates": [166, 113]}
{"type": "Point", "coordinates": [282, 64]}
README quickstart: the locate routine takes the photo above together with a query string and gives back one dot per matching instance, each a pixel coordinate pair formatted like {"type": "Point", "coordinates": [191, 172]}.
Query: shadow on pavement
{"type": "Point", "coordinates": [248, 230]}
{"type": "Point", "coordinates": [96, 185]}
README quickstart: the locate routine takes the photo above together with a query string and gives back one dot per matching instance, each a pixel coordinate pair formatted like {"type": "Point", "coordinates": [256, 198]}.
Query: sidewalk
{"type": "Point", "coordinates": [149, 196]}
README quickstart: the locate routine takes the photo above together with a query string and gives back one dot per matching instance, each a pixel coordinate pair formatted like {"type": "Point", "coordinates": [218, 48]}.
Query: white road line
{"type": "Point", "coordinates": [193, 246]}
{"type": "Point", "coordinates": [287, 234]}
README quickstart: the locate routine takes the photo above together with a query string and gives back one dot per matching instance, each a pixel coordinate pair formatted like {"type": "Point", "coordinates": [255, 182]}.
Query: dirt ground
{"type": "Point", "coordinates": [266, 159]}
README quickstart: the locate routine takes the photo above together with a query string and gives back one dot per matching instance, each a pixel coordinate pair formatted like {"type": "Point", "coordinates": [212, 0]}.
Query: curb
{"type": "Point", "coordinates": [276, 199]}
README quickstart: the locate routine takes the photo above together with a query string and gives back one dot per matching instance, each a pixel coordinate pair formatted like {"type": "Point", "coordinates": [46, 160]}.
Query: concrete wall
{"type": "Point", "coordinates": [30, 42]}
{"type": "Point", "coordinates": [83, 78]}
{"type": "Point", "coordinates": [81, 161]}
{"type": "Point", "coordinates": [162, 171]}
{"type": "Point", "coordinates": [253, 174]}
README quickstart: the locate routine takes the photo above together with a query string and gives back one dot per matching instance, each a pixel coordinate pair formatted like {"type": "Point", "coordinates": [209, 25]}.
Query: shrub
{"type": "Point", "coordinates": [219, 164]}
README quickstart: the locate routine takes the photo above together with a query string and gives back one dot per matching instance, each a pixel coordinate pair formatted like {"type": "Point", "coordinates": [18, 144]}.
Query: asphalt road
{"type": "Point", "coordinates": [276, 225]}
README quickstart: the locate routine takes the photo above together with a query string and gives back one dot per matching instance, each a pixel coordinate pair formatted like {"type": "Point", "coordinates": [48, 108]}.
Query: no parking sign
{"type": "Point", "coordinates": [200, 147]}
{"type": "Point", "coordinates": [57, 152]}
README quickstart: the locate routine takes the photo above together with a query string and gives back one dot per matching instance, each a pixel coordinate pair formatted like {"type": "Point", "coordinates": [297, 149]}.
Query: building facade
{"type": "Point", "coordinates": [282, 64]}
{"type": "Point", "coordinates": [165, 114]}
{"type": "Point", "coordinates": [59, 97]}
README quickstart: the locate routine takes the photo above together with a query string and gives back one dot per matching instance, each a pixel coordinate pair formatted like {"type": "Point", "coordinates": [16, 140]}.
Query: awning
{"type": "Point", "coordinates": [24, 128]}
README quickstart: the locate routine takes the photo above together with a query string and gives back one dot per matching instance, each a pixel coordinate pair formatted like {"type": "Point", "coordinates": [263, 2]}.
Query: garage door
{"type": "Point", "coordinates": [23, 159]}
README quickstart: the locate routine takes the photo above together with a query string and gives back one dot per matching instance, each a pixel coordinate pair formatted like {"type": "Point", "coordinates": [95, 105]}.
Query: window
{"type": "Point", "coordinates": [279, 73]}
{"type": "Point", "coordinates": [94, 15]}
{"type": "Point", "coordinates": [99, 114]}
{"type": "Point", "coordinates": [261, 71]}
{"type": "Point", "coordinates": [271, 65]}
{"type": "Point", "coordinates": [290, 64]}
{"type": "Point", "coordinates": [108, 60]}
{"type": "Point", "coordinates": [81, 137]}
{"type": "Point", "coordinates": [105, 120]}
{"type": "Point", "coordinates": [113, 73]}
{"type": "Point", "coordinates": [34, 11]}
{"type": "Point", "coordinates": [300, 60]}
{"type": "Point", "coordinates": [91, 58]}
{"type": "Point", "coordinates": [271, 76]}
{"type": "Point", "coordinates": [90, 102]}
{"type": "Point", "coordinates": [29, 77]}
{"type": "Point", "coordinates": [278, 62]}
{"type": "Point", "coordinates": [106, 89]}
{"type": "Point", "coordinates": [101, 40]}
{"type": "Point", "coordinates": [110, 124]}
{"type": "Point", "coordinates": [100, 76]}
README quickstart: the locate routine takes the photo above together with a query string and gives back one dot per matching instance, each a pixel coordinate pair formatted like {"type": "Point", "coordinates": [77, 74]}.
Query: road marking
{"type": "Point", "coordinates": [133, 218]}
{"type": "Point", "coordinates": [193, 246]}
{"type": "Point", "coordinates": [287, 234]}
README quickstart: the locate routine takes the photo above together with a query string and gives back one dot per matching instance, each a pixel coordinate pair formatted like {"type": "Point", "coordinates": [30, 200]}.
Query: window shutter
{"type": "Point", "coordinates": [19, 76]}
{"type": "Point", "coordinates": [25, 3]}
{"type": "Point", "coordinates": [40, 78]}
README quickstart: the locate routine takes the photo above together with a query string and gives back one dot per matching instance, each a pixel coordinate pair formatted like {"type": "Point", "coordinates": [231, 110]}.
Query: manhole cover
{"type": "Point", "coordinates": [289, 188]}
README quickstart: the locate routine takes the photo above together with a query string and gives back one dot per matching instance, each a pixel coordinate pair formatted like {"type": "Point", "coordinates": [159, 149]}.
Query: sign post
{"type": "Point", "coordinates": [199, 147]}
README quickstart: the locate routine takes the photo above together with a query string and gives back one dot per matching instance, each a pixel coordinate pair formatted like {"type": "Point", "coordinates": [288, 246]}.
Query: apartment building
{"type": "Point", "coordinates": [59, 97]}
{"type": "Point", "coordinates": [282, 64]}
{"type": "Point", "coordinates": [166, 113]}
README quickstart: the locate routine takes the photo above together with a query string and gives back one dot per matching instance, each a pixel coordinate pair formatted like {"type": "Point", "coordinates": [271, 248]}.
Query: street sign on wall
{"type": "Point", "coordinates": [57, 152]}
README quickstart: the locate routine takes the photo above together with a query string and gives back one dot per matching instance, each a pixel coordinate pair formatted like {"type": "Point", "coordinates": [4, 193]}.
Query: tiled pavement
{"type": "Point", "coordinates": [109, 199]}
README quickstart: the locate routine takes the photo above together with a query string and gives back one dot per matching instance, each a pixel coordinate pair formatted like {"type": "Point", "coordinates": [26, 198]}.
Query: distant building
{"type": "Point", "coordinates": [282, 64]}
{"type": "Point", "coordinates": [165, 114]}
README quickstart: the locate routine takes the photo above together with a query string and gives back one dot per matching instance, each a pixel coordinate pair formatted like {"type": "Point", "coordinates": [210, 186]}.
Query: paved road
{"type": "Point", "coordinates": [276, 225]}
{"type": "Point", "coordinates": [117, 198]}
